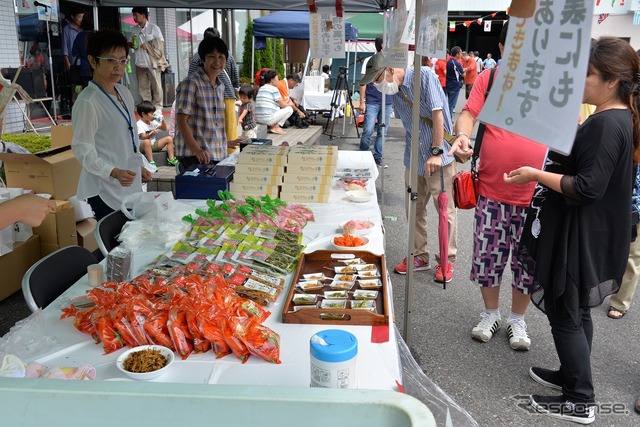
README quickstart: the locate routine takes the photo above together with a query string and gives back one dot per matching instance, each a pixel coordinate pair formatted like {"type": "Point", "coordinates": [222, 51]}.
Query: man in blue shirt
{"type": "Point", "coordinates": [69, 34]}
{"type": "Point", "coordinates": [371, 104]}
{"type": "Point", "coordinates": [455, 74]}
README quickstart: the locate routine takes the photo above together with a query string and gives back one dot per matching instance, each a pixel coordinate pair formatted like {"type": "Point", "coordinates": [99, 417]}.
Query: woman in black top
{"type": "Point", "coordinates": [577, 234]}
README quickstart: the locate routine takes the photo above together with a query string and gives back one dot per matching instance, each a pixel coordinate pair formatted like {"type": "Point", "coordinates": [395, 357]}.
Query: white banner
{"type": "Point", "coordinates": [326, 34]}
{"type": "Point", "coordinates": [432, 29]}
{"type": "Point", "coordinates": [396, 52]}
{"type": "Point", "coordinates": [538, 91]}
{"type": "Point", "coordinates": [612, 7]}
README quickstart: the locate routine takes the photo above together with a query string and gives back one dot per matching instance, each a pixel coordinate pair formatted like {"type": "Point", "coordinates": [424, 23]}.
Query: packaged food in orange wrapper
{"type": "Point", "coordinates": [200, 343]}
{"type": "Point", "coordinates": [259, 339]}
{"type": "Point", "coordinates": [157, 331]}
{"type": "Point", "coordinates": [123, 327]}
{"type": "Point", "coordinates": [106, 332]}
{"type": "Point", "coordinates": [179, 332]}
{"type": "Point", "coordinates": [232, 331]}
{"type": "Point", "coordinates": [210, 329]}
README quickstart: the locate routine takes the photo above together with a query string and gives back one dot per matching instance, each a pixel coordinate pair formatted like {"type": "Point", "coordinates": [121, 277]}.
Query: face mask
{"type": "Point", "coordinates": [388, 88]}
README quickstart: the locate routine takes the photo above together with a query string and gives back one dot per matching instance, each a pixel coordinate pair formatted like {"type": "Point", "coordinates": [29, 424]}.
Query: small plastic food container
{"type": "Point", "coordinates": [365, 294]}
{"type": "Point", "coordinates": [335, 294]}
{"type": "Point", "coordinates": [363, 305]}
{"type": "Point", "coordinates": [333, 359]}
{"type": "Point", "coordinates": [347, 269]}
{"type": "Point", "coordinates": [314, 276]}
{"type": "Point", "coordinates": [341, 285]}
{"type": "Point", "coordinates": [333, 303]}
{"type": "Point", "coordinates": [304, 299]}
{"type": "Point", "coordinates": [368, 274]}
{"type": "Point", "coordinates": [370, 283]}
{"type": "Point", "coordinates": [310, 285]}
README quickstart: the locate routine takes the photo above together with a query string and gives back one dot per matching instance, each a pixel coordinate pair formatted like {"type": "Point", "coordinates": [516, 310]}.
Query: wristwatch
{"type": "Point", "coordinates": [436, 151]}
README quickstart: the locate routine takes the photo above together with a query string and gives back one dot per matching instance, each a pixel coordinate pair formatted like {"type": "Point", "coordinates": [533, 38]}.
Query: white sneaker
{"type": "Point", "coordinates": [489, 324]}
{"type": "Point", "coordinates": [518, 337]}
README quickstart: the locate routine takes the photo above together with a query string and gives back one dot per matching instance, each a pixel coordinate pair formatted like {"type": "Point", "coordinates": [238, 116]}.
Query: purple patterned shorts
{"type": "Point", "coordinates": [498, 227]}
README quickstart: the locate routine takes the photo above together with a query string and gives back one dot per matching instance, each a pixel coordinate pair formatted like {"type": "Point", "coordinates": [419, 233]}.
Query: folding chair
{"type": "Point", "coordinates": [107, 231]}
{"type": "Point", "coordinates": [48, 278]}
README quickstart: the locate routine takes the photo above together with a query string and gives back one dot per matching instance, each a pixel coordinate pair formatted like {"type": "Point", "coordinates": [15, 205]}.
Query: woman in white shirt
{"type": "Point", "coordinates": [271, 109]}
{"type": "Point", "coordinates": [104, 133]}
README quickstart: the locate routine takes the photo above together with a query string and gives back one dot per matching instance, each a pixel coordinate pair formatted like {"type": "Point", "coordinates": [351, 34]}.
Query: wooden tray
{"type": "Point", "coordinates": [321, 261]}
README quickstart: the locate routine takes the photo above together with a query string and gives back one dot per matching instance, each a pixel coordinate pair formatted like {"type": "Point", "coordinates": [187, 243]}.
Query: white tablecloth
{"type": "Point", "coordinates": [320, 101]}
{"type": "Point", "coordinates": [377, 364]}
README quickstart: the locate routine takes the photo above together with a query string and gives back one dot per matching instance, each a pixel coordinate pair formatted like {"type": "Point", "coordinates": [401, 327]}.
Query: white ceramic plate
{"type": "Point", "coordinates": [349, 248]}
{"type": "Point", "coordinates": [359, 196]}
{"type": "Point", "coordinates": [166, 352]}
{"type": "Point", "coordinates": [360, 231]}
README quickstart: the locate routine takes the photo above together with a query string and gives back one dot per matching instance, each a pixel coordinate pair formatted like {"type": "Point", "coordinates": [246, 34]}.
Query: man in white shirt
{"type": "Point", "coordinates": [148, 42]}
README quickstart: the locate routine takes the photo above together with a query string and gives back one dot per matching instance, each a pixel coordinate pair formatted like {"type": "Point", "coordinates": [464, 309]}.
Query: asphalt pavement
{"type": "Point", "coordinates": [490, 380]}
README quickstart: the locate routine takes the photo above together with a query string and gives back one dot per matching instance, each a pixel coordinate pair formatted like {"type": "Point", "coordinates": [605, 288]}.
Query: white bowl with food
{"type": "Point", "coordinates": [349, 242]}
{"type": "Point", "coordinates": [358, 227]}
{"type": "Point", "coordinates": [145, 362]}
{"type": "Point", "coordinates": [359, 196]}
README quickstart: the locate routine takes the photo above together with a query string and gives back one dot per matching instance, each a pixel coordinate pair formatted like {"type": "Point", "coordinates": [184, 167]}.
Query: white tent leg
{"type": "Point", "coordinates": [253, 58]}
{"type": "Point", "coordinates": [413, 182]}
{"type": "Point", "coordinates": [383, 126]}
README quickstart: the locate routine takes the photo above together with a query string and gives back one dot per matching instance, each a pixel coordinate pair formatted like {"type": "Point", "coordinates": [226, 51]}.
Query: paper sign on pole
{"type": "Point", "coordinates": [396, 52]}
{"type": "Point", "coordinates": [409, 33]}
{"type": "Point", "coordinates": [326, 34]}
{"type": "Point", "coordinates": [432, 29]}
{"type": "Point", "coordinates": [538, 91]}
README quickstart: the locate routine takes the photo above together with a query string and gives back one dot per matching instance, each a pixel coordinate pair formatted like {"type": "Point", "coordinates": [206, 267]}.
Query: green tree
{"type": "Point", "coordinates": [246, 71]}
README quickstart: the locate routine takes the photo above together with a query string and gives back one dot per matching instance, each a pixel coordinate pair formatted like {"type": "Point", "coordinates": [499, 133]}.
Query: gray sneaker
{"type": "Point", "coordinates": [489, 324]}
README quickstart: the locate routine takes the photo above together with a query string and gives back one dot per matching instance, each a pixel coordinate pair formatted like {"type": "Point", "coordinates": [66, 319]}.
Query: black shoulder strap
{"type": "Point", "coordinates": [482, 126]}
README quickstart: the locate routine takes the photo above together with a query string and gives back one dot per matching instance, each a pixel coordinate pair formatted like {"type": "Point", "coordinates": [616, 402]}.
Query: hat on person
{"type": "Point", "coordinates": [374, 67]}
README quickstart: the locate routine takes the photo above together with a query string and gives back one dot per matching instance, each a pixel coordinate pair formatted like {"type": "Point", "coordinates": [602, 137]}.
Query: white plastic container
{"type": "Point", "coordinates": [333, 359]}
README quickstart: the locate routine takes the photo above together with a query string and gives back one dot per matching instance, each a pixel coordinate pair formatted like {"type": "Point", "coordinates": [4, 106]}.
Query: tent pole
{"type": "Point", "coordinates": [253, 58]}
{"type": "Point", "coordinates": [413, 181]}
{"type": "Point", "coordinates": [383, 125]}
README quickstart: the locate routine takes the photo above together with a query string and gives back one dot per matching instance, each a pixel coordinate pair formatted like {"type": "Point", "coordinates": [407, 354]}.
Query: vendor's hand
{"type": "Point", "coordinates": [233, 144]}
{"type": "Point", "coordinates": [433, 165]}
{"type": "Point", "coordinates": [362, 107]}
{"type": "Point", "coordinates": [30, 209]}
{"type": "Point", "coordinates": [144, 46]}
{"type": "Point", "coordinates": [521, 175]}
{"type": "Point", "coordinates": [461, 148]}
{"type": "Point", "coordinates": [203, 157]}
{"type": "Point", "coordinates": [124, 177]}
{"type": "Point", "coordinates": [146, 175]}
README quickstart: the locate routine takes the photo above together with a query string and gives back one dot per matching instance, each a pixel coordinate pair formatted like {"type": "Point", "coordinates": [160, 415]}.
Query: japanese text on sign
{"type": "Point", "coordinates": [542, 73]}
{"type": "Point", "coordinates": [326, 32]}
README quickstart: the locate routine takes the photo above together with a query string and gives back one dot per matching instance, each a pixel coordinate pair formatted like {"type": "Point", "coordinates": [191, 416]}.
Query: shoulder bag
{"type": "Point", "coordinates": [465, 183]}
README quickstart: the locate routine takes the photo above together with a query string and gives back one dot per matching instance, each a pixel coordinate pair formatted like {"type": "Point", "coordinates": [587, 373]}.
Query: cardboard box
{"type": "Point", "coordinates": [59, 227]}
{"type": "Point", "coordinates": [304, 169]}
{"type": "Point", "coordinates": [306, 188]}
{"type": "Point", "coordinates": [86, 238]}
{"type": "Point", "coordinates": [55, 171]}
{"type": "Point", "coordinates": [14, 264]}
{"type": "Point", "coordinates": [290, 178]}
{"type": "Point", "coordinates": [304, 198]}
{"type": "Point", "coordinates": [264, 158]}
{"type": "Point", "coordinates": [312, 159]}
{"type": "Point", "coordinates": [268, 190]}
{"type": "Point", "coordinates": [257, 179]}
{"type": "Point", "coordinates": [259, 169]}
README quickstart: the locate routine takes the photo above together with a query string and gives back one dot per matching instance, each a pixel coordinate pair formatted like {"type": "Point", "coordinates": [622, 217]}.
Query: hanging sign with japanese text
{"type": "Point", "coordinates": [538, 90]}
{"type": "Point", "coordinates": [396, 52]}
{"type": "Point", "coordinates": [326, 33]}
{"type": "Point", "coordinates": [432, 29]}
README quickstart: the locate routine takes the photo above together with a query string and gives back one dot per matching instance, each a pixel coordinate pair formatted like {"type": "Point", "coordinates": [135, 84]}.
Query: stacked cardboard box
{"type": "Point", "coordinates": [259, 171]}
{"type": "Point", "coordinates": [54, 172]}
{"type": "Point", "coordinates": [309, 174]}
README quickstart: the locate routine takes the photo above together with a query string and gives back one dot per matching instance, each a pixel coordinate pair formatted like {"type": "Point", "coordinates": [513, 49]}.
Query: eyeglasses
{"type": "Point", "coordinates": [114, 61]}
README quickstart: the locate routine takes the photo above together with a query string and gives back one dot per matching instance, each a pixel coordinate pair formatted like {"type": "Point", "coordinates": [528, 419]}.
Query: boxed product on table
{"type": "Point", "coordinates": [14, 264]}
{"type": "Point", "coordinates": [304, 197]}
{"type": "Point", "coordinates": [304, 169]}
{"type": "Point", "coordinates": [257, 179]}
{"type": "Point", "coordinates": [203, 181]}
{"type": "Point", "coordinates": [262, 189]}
{"type": "Point", "coordinates": [290, 178]}
{"type": "Point", "coordinates": [248, 169]}
{"type": "Point", "coordinates": [263, 155]}
{"type": "Point", "coordinates": [55, 171]}
{"type": "Point", "coordinates": [304, 187]}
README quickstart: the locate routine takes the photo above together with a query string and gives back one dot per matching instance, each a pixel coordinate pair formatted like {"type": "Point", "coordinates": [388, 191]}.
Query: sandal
{"type": "Point", "coordinates": [612, 310]}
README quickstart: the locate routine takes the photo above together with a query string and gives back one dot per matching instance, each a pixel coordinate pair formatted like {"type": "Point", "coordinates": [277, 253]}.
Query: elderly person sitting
{"type": "Point", "coordinates": [271, 109]}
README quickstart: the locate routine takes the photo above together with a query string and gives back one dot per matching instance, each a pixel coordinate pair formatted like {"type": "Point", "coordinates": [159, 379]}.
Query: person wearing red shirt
{"type": "Point", "coordinates": [471, 74]}
{"type": "Point", "coordinates": [441, 70]}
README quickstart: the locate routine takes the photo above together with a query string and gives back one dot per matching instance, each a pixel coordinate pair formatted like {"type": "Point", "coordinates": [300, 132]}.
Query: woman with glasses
{"type": "Point", "coordinates": [105, 139]}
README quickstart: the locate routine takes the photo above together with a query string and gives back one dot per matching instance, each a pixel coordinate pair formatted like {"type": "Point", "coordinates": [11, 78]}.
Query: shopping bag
{"type": "Point", "coordinates": [465, 190]}
{"type": "Point", "coordinates": [313, 84]}
{"type": "Point", "coordinates": [152, 204]}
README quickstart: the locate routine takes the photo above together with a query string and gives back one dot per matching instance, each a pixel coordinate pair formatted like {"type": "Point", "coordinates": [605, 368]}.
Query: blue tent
{"type": "Point", "coordinates": [289, 25]}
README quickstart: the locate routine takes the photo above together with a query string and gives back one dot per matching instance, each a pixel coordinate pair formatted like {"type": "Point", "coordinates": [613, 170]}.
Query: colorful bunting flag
{"type": "Point", "coordinates": [602, 17]}
{"type": "Point", "coordinates": [487, 26]}
{"type": "Point", "coordinates": [452, 25]}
